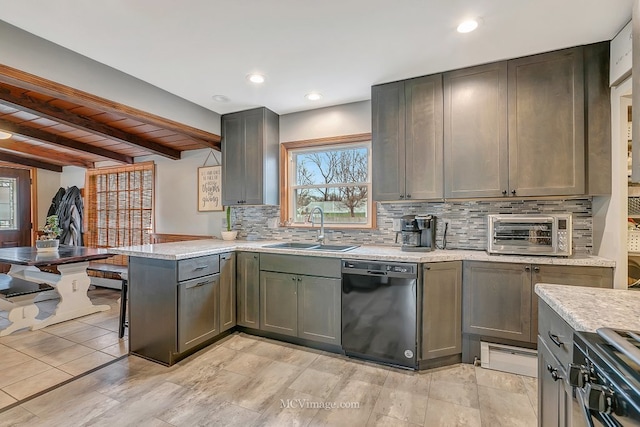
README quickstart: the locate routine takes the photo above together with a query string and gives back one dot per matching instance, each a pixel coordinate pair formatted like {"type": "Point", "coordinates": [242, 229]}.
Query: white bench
{"type": "Point", "coordinates": [17, 297]}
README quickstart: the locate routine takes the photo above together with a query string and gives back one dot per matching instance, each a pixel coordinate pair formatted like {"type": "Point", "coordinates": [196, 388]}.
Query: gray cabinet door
{"type": "Point", "coordinates": [596, 277]}
{"type": "Point", "coordinates": [475, 132]}
{"type": "Point", "coordinates": [233, 159]}
{"type": "Point", "coordinates": [227, 291]}
{"type": "Point", "coordinates": [441, 309]}
{"type": "Point", "coordinates": [253, 127]}
{"type": "Point", "coordinates": [497, 300]}
{"type": "Point", "coordinates": [551, 394]}
{"type": "Point", "coordinates": [248, 289]}
{"type": "Point", "coordinates": [423, 138]}
{"type": "Point", "coordinates": [546, 124]}
{"type": "Point", "coordinates": [279, 302]}
{"type": "Point", "coordinates": [198, 301]}
{"type": "Point", "coordinates": [387, 141]}
{"type": "Point", "coordinates": [319, 309]}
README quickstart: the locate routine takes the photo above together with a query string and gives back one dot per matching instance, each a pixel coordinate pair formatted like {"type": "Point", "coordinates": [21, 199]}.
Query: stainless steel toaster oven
{"type": "Point", "coordinates": [530, 234]}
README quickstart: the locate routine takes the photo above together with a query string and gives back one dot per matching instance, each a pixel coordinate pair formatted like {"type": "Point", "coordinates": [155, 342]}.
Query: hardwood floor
{"type": "Point", "coordinates": [250, 381]}
{"type": "Point", "coordinates": [33, 361]}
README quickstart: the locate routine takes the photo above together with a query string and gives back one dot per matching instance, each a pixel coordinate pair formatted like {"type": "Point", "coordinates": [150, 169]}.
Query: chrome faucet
{"type": "Point", "coordinates": [321, 234]}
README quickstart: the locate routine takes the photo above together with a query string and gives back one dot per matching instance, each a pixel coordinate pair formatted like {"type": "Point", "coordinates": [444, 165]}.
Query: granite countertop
{"type": "Point", "coordinates": [587, 309]}
{"type": "Point", "coordinates": [195, 248]}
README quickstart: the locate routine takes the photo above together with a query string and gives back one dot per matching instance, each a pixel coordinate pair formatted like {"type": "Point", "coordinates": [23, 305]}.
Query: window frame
{"type": "Point", "coordinates": [286, 180]}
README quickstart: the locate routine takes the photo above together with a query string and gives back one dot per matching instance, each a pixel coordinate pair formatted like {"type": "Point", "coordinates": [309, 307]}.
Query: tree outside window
{"type": "Point", "coordinates": [335, 178]}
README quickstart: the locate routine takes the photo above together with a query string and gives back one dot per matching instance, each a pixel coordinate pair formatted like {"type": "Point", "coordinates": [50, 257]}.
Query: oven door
{"type": "Point", "coordinates": [579, 414]}
{"type": "Point", "coordinates": [523, 235]}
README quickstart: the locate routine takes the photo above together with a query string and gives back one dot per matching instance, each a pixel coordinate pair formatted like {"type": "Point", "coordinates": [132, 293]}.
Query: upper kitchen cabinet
{"type": "Point", "coordinates": [475, 132]}
{"type": "Point", "coordinates": [250, 142]}
{"type": "Point", "coordinates": [533, 126]}
{"type": "Point", "coordinates": [407, 139]}
{"type": "Point", "coordinates": [546, 124]}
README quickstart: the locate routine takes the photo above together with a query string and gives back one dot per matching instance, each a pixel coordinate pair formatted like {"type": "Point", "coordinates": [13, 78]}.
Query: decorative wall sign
{"type": "Point", "coordinates": [210, 188]}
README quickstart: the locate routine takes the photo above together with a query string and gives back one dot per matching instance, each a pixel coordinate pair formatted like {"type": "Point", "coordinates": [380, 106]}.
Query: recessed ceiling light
{"type": "Point", "coordinates": [5, 135]}
{"type": "Point", "coordinates": [468, 26]}
{"type": "Point", "coordinates": [313, 96]}
{"type": "Point", "coordinates": [255, 78]}
{"type": "Point", "coordinates": [220, 98]}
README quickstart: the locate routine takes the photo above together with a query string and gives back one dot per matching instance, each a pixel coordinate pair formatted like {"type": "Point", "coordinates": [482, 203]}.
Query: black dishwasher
{"type": "Point", "coordinates": [379, 320]}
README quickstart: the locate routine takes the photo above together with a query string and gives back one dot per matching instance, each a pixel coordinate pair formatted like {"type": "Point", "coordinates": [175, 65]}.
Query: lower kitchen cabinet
{"type": "Point", "coordinates": [198, 311]}
{"type": "Point", "coordinates": [552, 398]}
{"type": "Point", "coordinates": [319, 312]}
{"type": "Point", "coordinates": [248, 289]}
{"type": "Point", "coordinates": [227, 291]}
{"type": "Point", "coordinates": [499, 301]}
{"type": "Point", "coordinates": [173, 306]}
{"type": "Point", "coordinates": [279, 303]}
{"type": "Point", "coordinates": [556, 406]}
{"type": "Point", "coordinates": [301, 297]}
{"type": "Point", "coordinates": [441, 310]}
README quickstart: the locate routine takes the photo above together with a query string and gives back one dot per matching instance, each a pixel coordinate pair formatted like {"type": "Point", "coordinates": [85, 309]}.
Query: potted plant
{"type": "Point", "coordinates": [229, 234]}
{"type": "Point", "coordinates": [48, 241]}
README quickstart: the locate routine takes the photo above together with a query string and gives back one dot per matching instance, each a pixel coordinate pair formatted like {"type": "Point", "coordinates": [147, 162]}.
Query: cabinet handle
{"type": "Point", "coordinates": [195, 285]}
{"type": "Point", "coordinates": [527, 268]}
{"type": "Point", "coordinates": [293, 278]}
{"type": "Point", "coordinates": [555, 339]}
{"type": "Point", "coordinates": [402, 196]}
{"type": "Point", "coordinates": [513, 192]}
{"type": "Point", "coordinates": [200, 267]}
{"type": "Point", "coordinates": [554, 373]}
{"type": "Point", "coordinates": [408, 196]}
{"type": "Point", "coordinates": [255, 257]}
{"type": "Point", "coordinates": [299, 279]}
{"type": "Point", "coordinates": [504, 192]}
{"type": "Point", "coordinates": [426, 267]}
{"type": "Point", "coordinates": [536, 269]}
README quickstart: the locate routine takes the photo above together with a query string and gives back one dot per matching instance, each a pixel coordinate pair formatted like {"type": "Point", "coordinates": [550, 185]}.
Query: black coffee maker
{"type": "Point", "coordinates": [418, 233]}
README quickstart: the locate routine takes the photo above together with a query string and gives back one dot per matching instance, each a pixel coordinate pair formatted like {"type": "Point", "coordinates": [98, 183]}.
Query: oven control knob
{"type": "Point", "coordinates": [578, 375]}
{"type": "Point", "coordinates": [599, 398]}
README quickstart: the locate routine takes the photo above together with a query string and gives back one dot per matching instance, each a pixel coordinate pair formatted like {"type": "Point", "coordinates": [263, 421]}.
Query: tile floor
{"type": "Point", "coordinates": [33, 361]}
{"type": "Point", "coordinates": [249, 381]}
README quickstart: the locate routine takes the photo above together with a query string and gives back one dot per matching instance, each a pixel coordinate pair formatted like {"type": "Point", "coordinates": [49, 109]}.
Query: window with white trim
{"type": "Point", "coordinates": [336, 178]}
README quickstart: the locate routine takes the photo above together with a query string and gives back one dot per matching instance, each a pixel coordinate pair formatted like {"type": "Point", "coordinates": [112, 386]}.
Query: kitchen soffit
{"type": "Point", "coordinates": [200, 48]}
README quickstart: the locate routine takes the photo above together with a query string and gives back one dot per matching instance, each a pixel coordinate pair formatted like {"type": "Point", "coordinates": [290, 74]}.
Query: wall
{"type": "Point", "coordinates": [177, 198]}
{"type": "Point", "coordinates": [48, 183]}
{"type": "Point", "coordinates": [339, 120]}
{"type": "Point", "coordinates": [610, 213]}
{"type": "Point", "coordinates": [467, 221]}
{"type": "Point", "coordinates": [27, 52]}
{"type": "Point", "coordinates": [175, 193]}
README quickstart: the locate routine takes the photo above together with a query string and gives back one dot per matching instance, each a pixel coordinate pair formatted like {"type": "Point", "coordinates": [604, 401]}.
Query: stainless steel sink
{"type": "Point", "coordinates": [334, 248]}
{"type": "Point", "coordinates": [293, 245]}
{"type": "Point", "coordinates": [312, 246]}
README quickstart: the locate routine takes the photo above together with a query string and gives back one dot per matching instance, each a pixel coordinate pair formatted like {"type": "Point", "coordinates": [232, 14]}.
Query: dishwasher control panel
{"type": "Point", "coordinates": [379, 267]}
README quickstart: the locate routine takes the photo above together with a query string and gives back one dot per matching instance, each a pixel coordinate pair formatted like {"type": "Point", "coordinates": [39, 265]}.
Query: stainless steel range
{"type": "Point", "coordinates": [605, 377]}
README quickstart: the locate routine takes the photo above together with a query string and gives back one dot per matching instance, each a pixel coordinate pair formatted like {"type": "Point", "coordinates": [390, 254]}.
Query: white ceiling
{"type": "Point", "coordinates": [199, 48]}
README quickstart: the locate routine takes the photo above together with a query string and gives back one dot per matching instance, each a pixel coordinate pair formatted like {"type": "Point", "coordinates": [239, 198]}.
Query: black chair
{"type": "Point", "coordinates": [123, 308]}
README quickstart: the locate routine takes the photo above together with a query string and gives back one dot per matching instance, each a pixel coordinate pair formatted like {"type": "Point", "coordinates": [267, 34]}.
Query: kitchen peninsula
{"type": "Point", "coordinates": [184, 295]}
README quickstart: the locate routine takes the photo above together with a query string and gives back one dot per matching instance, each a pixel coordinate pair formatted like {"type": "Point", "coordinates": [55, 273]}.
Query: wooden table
{"type": "Point", "coordinates": [72, 283]}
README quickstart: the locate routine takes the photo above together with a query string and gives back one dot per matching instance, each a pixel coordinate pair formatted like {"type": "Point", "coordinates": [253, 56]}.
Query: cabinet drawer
{"type": "Point", "coordinates": [556, 333]}
{"type": "Point", "coordinates": [198, 267]}
{"type": "Point", "coordinates": [307, 265]}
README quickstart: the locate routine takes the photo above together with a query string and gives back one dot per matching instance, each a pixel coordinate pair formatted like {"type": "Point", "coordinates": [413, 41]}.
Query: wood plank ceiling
{"type": "Point", "coordinates": [53, 125]}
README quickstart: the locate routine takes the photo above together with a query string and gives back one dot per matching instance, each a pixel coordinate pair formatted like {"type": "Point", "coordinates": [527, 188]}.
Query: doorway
{"type": "Point", "coordinates": [15, 209]}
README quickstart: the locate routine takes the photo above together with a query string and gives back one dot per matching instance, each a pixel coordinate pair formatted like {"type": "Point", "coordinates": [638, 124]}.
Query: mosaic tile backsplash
{"type": "Point", "coordinates": [467, 222]}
